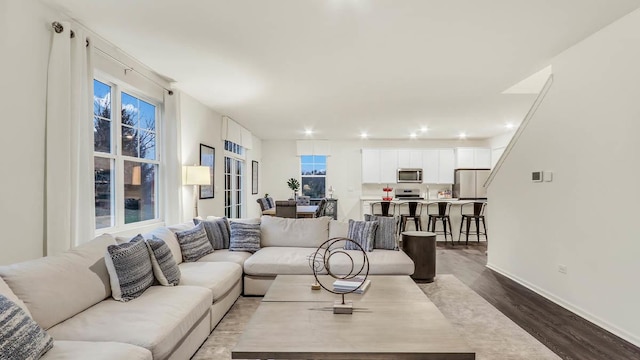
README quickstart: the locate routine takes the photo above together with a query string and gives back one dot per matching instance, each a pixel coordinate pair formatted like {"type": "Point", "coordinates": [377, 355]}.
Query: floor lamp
{"type": "Point", "coordinates": [196, 175]}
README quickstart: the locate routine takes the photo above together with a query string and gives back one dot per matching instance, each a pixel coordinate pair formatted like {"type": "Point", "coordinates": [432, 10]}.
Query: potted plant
{"type": "Point", "coordinates": [294, 185]}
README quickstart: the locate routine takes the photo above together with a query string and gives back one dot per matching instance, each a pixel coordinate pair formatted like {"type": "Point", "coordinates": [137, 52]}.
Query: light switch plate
{"type": "Point", "coordinates": [547, 176]}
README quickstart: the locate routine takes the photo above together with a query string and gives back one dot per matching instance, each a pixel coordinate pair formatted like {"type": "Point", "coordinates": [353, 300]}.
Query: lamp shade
{"type": "Point", "coordinates": [196, 175]}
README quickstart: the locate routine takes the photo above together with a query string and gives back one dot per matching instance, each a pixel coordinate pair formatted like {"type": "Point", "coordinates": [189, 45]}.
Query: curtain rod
{"type": "Point", "coordinates": [58, 28]}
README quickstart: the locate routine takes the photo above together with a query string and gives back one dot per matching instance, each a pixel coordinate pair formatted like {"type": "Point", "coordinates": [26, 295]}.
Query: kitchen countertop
{"type": "Point", "coordinates": [452, 201]}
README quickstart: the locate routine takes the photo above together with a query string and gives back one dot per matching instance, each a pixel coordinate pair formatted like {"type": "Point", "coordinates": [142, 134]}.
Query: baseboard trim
{"type": "Point", "coordinates": [569, 306]}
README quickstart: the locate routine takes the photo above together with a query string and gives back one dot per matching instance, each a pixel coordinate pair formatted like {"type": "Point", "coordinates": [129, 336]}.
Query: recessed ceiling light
{"type": "Point", "coordinates": [363, 135]}
{"type": "Point", "coordinates": [462, 135]}
{"type": "Point", "coordinates": [424, 129]}
{"type": "Point", "coordinates": [509, 125]}
{"type": "Point", "coordinates": [413, 135]}
{"type": "Point", "coordinates": [308, 132]}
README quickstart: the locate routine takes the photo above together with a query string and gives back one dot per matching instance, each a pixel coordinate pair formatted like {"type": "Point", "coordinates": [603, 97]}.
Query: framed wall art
{"type": "Point", "coordinates": [208, 158]}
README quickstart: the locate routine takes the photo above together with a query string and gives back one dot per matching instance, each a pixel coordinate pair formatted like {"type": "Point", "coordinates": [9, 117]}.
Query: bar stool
{"type": "Point", "coordinates": [410, 210]}
{"type": "Point", "coordinates": [477, 216]}
{"type": "Point", "coordinates": [383, 208]}
{"type": "Point", "coordinates": [443, 215]}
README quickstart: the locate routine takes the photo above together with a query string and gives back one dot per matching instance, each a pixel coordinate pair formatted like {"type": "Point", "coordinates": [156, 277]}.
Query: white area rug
{"type": "Point", "coordinates": [490, 333]}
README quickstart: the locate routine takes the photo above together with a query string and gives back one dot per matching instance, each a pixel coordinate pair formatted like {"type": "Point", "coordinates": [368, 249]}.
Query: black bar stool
{"type": "Point", "coordinates": [383, 208]}
{"type": "Point", "coordinates": [410, 210]}
{"type": "Point", "coordinates": [477, 216]}
{"type": "Point", "coordinates": [443, 215]}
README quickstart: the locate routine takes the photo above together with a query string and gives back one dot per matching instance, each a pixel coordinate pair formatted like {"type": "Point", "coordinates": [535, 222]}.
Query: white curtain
{"type": "Point", "coordinates": [69, 216]}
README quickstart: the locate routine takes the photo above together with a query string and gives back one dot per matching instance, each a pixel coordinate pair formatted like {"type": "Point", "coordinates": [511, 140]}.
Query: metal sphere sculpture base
{"type": "Point", "coordinates": [319, 261]}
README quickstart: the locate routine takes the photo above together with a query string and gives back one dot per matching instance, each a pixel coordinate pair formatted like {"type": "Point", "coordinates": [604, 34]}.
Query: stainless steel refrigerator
{"type": "Point", "coordinates": [469, 184]}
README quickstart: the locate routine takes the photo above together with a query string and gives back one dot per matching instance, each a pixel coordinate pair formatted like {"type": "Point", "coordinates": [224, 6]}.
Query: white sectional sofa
{"type": "Point", "coordinates": [69, 295]}
{"type": "Point", "coordinates": [287, 243]}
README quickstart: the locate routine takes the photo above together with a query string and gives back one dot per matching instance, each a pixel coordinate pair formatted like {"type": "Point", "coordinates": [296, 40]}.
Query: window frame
{"type": "Point", "coordinates": [314, 176]}
{"type": "Point", "coordinates": [118, 201]}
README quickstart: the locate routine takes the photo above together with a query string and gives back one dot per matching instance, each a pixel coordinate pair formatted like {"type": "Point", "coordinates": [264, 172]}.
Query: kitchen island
{"type": "Point", "coordinates": [455, 214]}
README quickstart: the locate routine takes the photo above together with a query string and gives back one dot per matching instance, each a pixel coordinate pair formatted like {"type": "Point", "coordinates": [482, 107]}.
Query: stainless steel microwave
{"type": "Point", "coordinates": [409, 176]}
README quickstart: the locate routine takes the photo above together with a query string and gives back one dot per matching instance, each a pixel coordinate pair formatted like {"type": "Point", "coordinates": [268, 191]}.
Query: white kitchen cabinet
{"type": "Point", "coordinates": [388, 166]}
{"type": "Point", "coordinates": [438, 166]}
{"type": "Point", "coordinates": [446, 166]}
{"type": "Point", "coordinates": [430, 166]}
{"type": "Point", "coordinates": [410, 159]}
{"type": "Point", "coordinates": [473, 158]}
{"type": "Point", "coordinates": [370, 166]}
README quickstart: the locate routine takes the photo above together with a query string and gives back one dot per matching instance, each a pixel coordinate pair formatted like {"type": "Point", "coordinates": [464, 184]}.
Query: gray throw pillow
{"type": "Point", "coordinates": [386, 232]}
{"type": "Point", "coordinates": [164, 265]}
{"type": "Point", "coordinates": [245, 237]}
{"type": "Point", "coordinates": [362, 232]}
{"type": "Point", "coordinates": [130, 269]}
{"type": "Point", "coordinates": [20, 336]}
{"type": "Point", "coordinates": [194, 243]}
{"type": "Point", "coordinates": [218, 232]}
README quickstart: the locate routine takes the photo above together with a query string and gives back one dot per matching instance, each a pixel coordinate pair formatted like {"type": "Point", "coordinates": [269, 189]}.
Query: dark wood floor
{"type": "Point", "coordinates": [565, 333]}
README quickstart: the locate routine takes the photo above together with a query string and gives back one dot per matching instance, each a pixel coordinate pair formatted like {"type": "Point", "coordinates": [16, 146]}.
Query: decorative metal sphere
{"type": "Point", "coordinates": [320, 261]}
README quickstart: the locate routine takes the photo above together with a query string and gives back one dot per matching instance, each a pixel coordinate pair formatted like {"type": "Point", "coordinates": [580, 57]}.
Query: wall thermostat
{"type": "Point", "coordinates": [536, 176]}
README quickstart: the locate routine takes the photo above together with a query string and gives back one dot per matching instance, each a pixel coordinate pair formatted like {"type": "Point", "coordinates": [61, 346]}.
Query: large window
{"type": "Point", "coordinates": [233, 187]}
{"type": "Point", "coordinates": [314, 175]}
{"type": "Point", "coordinates": [125, 156]}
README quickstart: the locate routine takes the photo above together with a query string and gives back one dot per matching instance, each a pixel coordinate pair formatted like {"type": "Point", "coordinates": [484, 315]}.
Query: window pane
{"type": "Point", "coordinates": [129, 141]}
{"type": "Point", "coordinates": [313, 186]}
{"type": "Point", "coordinates": [101, 99]}
{"type": "Point", "coordinates": [147, 145]}
{"type": "Point", "coordinates": [130, 110]}
{"type": "Point", "coordinates": [101, 135]}
{"type": "Point", "coordinates": [147, 116]}
{"type": "Point", "coordinates": [139, 191]}
{"type": "Point", "coordinates": [306, 159]}
{"type": "Point", "coordinates": [103, 188]}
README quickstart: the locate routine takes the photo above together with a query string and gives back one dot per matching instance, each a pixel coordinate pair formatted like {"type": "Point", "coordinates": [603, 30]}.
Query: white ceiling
{"type": "Point", "coordinates": [340, 67]}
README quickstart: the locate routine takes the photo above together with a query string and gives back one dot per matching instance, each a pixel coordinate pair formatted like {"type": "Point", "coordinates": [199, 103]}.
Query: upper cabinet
{"type": "Point", "coordinates": [438, 166]}
{"type": "Point", "coordinates": [473, 158]}
{"type": "Point", "coordinates": [410, 158]}
{"type": "Point", "coordinates": [379, 166]}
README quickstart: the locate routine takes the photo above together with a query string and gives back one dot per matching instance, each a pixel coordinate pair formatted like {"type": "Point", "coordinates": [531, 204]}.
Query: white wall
{"type": "Point", "coordinates": [25, 35]}
{"type": "Point", "coordinates": [586, 132]}
{"type": "Point", "coordinates": [344, 168]}
{"type": "Point", "coordinates": [498, 144]}
{"type": "Point", "coordinates": [201, 125]}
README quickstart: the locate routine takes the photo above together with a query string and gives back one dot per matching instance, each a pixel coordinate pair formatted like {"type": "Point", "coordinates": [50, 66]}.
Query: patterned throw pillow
{"type": "Point", "coordinates": [245, 237]}
{"type": "Point", "coordinates": [218, 232]}
{"type": "Point", "coordinates": [362, 232]}
{"type": "Point", "coordinates": [386, 232]}
{"type": "Point", "coordinates": [20, 336]}
{"type": "Point", "coordinates": [130, 269]}
{"type": "Point", "coordinates": [164, 265]}
{"type": "Point", "coordinates": [194, 243]}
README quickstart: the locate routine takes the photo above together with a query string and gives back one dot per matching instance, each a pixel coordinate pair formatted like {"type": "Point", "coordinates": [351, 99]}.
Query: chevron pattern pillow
{"type": "Point", "coordinates": [130, 269]}
{"type": "Point", "coordinates": [164, 265]}
{"type": "Point", "coordinates": [20, 336]}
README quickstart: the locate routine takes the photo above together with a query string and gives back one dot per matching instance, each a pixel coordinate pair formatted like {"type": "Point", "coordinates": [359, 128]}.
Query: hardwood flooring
{"type": "Point", "coordinates": [568, 335]}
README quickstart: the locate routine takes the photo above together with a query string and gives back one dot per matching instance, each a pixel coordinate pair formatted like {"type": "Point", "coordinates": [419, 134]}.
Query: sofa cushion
{"type": "Point", "coordinates": [20, 336]}
{"type": "Point", "coordinates": [164, 265]}
{"type": "Point", "coordinates": [381, 262]}
{"type": "Point", "coordinates": [219, 277]}
{"type": "Point", "coordinates": [386, 232]}
{"type": "Point", "coordinates": [363, 233]}
{"type": "Point", "coordinates": [130, 269]}
{"type": "Point", "coordinates": [226, 255]}
{"type": "Point", "coordinates": [5, 290]}
{"type": "Point", "coordinates": [158, 320]}
{"type": "Point", "coordinates": [277, 231]}
{"type": "Point", "coordinates": [274, 260]}
{"type": "Point", "coordinates": [96, 350]}
{"type": "Point", "coordinates": [169, 237]}
{"type": "Point", "coordinates": [338, 229]}
{"type": "Point", "coordinates": [194, 243]}
{"type": "Point", "coordinates": [218, 232]}
{"type": "Point", "coordinates": [245, 237]}
{"type": "Point", "coordinates": [69, 282]}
